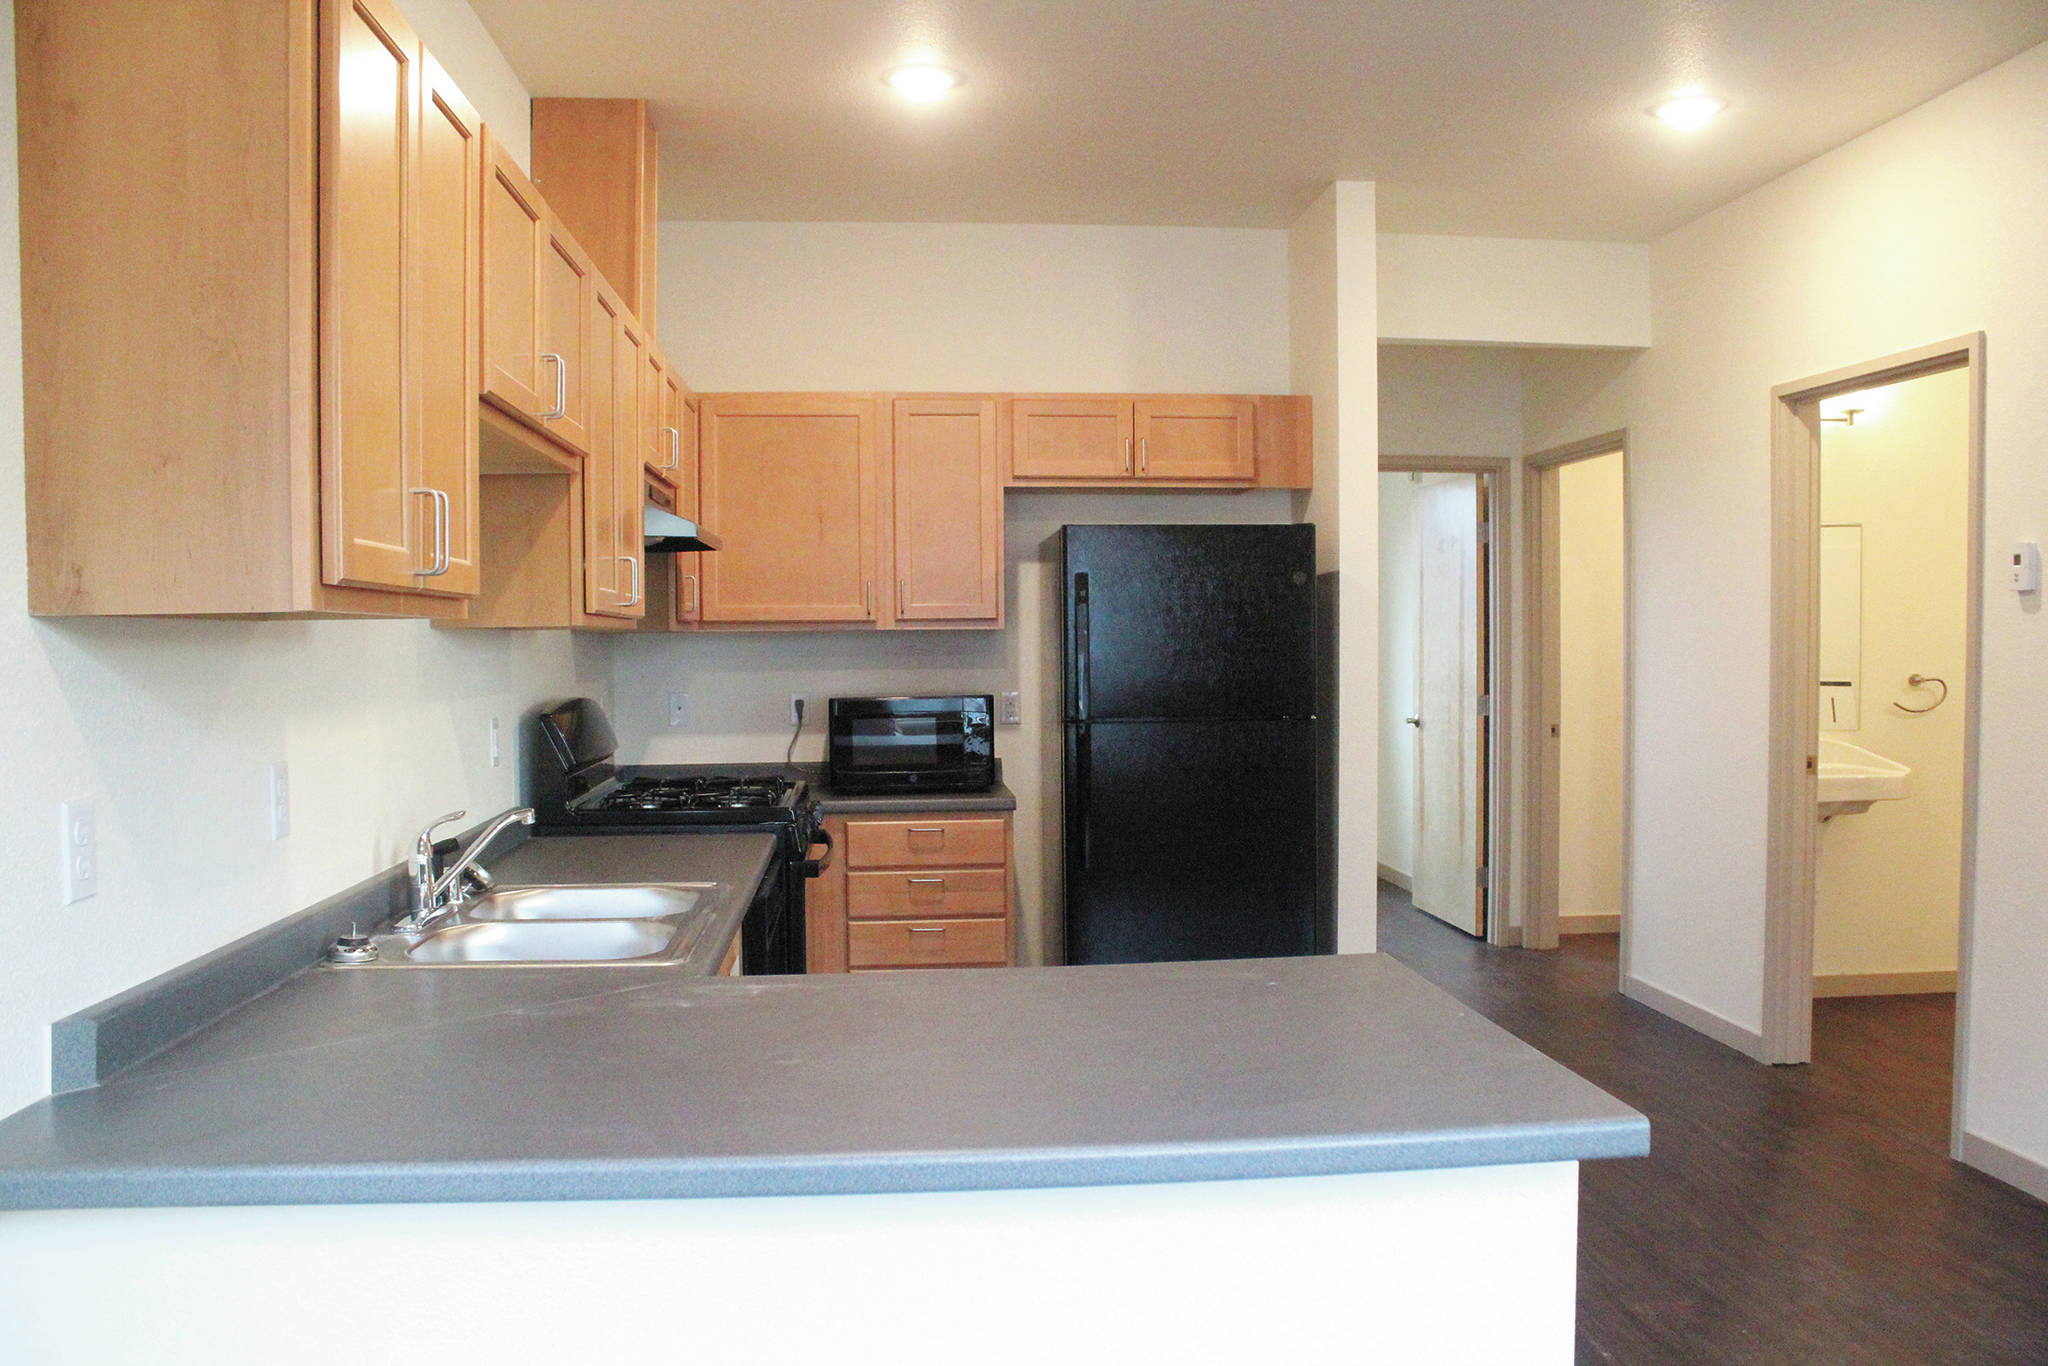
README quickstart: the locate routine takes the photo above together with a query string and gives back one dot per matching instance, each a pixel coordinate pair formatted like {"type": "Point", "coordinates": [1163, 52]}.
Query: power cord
{"type": "Point", "coordinates": [789, 756]}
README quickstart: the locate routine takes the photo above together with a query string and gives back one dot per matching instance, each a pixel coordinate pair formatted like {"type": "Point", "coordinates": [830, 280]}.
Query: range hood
{"type": "Point", "coordinates": [667, 533]}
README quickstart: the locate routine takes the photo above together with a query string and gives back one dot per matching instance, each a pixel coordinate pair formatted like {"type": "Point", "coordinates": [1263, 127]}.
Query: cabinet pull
{"type": "Point", "coordinates": [634, 562]}
{"type": "Point", "coordinates": [926, 881]}
{"type": "Point", "coordinates": [926, 929]}
{"type": "Point", "coordinates": [439, 563]}
{"type": "Point", "coordinates": [561, 408]}
{"type": "Point", "coordinates": [675, 449]}
{"type": "Point", "coordinates": [1127, 455]}
{"type": "Point", "coordinates": [867, 597]}
{"type": "Point", "coordinates": [900, 596]}
{"type": "Point", "coordinates": [938, 830]}
{"type": "Point", "coordinates": [690, 602]}
{"type": "Point", "coordinates": [1141, 455]}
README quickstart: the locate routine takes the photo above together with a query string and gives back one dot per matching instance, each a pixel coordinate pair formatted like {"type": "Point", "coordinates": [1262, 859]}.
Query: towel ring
{"type": "Point", "coordinates": [1921, 681]}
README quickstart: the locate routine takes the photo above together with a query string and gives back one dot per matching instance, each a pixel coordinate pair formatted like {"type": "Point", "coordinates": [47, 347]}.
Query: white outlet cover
{"type": "Point", "coordinates": [78, 852]}
{"type": "Point", "coordinates": [1011, 709]}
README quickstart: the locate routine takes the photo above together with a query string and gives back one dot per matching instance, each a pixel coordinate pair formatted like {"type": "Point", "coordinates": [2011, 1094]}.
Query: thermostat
{"type": "Point", "coordinates": [2026, 567]}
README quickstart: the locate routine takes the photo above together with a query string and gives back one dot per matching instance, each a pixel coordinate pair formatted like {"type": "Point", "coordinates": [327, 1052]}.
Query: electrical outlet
{"type": "Point", "coordinates": [678, 710]}
{"type": "Point", "coordinates": [280, 801]}
{"type": "Point", "coordinates": [796, 709]}
{"type": "Point", "coordinates": [78, 852]}
{"type": "Point", "coordinates": [1011, 709]}
{"type": "Point", "coordinates": [497, 753]}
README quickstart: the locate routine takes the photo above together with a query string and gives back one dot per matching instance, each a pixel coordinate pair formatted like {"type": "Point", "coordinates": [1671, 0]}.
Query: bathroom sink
{"type": "Point", "coordinates": [552, 941]}
{"type": "Point", "coordinates": [1851, 778]}
{"type": "Point", "coordinates": [593, 902]}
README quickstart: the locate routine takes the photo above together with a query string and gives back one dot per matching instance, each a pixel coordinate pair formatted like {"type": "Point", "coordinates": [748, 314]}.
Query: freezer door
{"type": "Point", "coordinates": [1187, 622]}
{"type": "Point", "coordinates": [1189, 840]}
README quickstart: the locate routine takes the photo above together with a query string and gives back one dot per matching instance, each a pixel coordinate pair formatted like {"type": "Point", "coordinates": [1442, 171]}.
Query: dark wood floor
{"type": "Point", "coordinates": [1787, 1216]}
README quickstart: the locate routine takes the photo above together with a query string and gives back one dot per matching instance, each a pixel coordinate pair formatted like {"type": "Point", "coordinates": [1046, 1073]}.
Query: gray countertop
{"type": "Point", "coordinates": [586, 1083]}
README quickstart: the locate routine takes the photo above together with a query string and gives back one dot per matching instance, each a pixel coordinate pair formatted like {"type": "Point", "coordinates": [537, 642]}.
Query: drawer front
{"type": "Point", "coordinates": [926, 843]}
{"type": "Point", "coordinates": [927, 944]}
{"type": "Point", "coordinates": [941, 891]}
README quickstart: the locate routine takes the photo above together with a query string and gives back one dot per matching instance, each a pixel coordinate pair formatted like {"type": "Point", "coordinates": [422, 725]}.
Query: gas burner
{"type": "Point", "coordinates": [716, 792]}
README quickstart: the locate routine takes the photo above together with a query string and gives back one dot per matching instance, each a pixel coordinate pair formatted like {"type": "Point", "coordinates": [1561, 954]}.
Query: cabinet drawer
{"type": "Point", "coordinates": [925, 842]}
{"type": "Point", "coordinates": [927, 943]}
{"type": "Point", "coordinates": [942, 891]}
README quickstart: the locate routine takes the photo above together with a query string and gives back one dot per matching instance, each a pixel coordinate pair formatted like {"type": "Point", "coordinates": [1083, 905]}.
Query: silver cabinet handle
{"type": "Point", "coordinates": [900, 596]}
{"type": "Point", "coordinates": [867, 597]}
{"type": "Point", "coordinates": [634, 562]}
{"type": "Point", "coordinates": [439, 563]}
{"type": "Point", "coordinates": [561, 408]}
{"type": "Point", "coordinates": [926, 929]}
{"type": "Point", "coordinates": [938, 830]}
{"type": "Point", "coordinates": [675, 449]}
{"type": "Point", "coordinates": [926, 881]}
{"type": "Point", "coordinates": [690, 603]}
{"type": "Point", "coordinates": [1127, 455]}
{"type": "Point", "coordinates": [1141, 455]}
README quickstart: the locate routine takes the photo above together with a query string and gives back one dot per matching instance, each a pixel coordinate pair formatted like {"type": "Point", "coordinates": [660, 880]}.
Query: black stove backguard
{"type": "Point", "coordinates": [572, 750]}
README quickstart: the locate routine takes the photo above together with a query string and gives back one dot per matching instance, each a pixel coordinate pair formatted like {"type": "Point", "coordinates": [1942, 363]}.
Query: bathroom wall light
{"type": "Point", "coordinates": [1689, 109]}
{"type": "Point", "coordinates": [923, 81]}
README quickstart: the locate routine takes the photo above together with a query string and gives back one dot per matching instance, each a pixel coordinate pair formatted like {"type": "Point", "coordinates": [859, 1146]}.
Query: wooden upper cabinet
{"type": "Point", "coordinates": [567, 283]}
{"type": "Point", "coordinates": [1070, 438]}
{"type": "Point", "coordinates": [514, 238]}
{"type": "Point", "coordinates": [948, 510]}
{"type": "Point", "coordinates": [598, 164]}
{"type": "Point", "coordinates": [789, 482]}
{"type": "Point", "coordinates": [606, 585]}
{"type": "Point", "coordinates": [667, 457]}
{"type": "Point", "coordinates": [1197, 436]}
{"type": "Point", "coordinates": [629, 482]}
{"type": "Point", "coordinates": [448, 259]}
{"type": "Point", "coordinates": [372, 519]}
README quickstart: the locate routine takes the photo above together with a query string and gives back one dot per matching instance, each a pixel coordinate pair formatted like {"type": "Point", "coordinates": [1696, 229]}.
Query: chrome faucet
{"type": "Point", "coordinates": [434, 898]}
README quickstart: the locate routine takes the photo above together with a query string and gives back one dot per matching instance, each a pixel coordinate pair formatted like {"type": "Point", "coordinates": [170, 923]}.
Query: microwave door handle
{"type": "Point", "coordinates": [1081, 662]}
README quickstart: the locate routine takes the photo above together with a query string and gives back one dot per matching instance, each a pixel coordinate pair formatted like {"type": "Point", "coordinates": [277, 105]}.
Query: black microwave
{"type": "Point", "coordinates": [912, 744]}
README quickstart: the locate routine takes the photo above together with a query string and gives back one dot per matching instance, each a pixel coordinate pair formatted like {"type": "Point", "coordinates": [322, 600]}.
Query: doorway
{"type": "Point", "coordinates": [1579, 741]}
{"type": "Point", "coordinates": [1844, 600]}
{"type": "Point", "coordinates": [1438, 659]}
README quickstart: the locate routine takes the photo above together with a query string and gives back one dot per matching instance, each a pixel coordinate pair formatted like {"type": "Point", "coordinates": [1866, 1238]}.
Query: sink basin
{"type": "Point", "coordinates": [549, 941]}
{"type": "Point", "coordinates": [596, 902]}
{"type": "Point", "coordinates": [1851, 778]}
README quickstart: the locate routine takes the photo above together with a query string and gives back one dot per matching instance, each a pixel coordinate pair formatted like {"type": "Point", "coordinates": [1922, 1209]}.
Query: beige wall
{"type": "Point", "coordinates": [1924, 229]}
{"type": "Point", "coordinates": [1506, 291]}
{"type": "Point", "coordinates": [1590, 697]}
{"type": "Point", "coordinates": [168, 726]}
{"type": "Point", "coordinates": [1889, 895]}
{"type": "Point", "coordinates": [960, 307]}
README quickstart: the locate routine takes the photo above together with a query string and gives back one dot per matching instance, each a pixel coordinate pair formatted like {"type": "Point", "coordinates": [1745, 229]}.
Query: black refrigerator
{"type": "Point", "coordinates": [1189, 762]}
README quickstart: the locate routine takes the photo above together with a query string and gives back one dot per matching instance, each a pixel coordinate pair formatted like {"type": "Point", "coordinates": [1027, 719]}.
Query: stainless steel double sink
{"type": "Point", "coordinates": [630, 924]}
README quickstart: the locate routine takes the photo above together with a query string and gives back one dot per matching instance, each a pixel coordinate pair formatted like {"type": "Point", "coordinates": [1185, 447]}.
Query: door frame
{"type": "Point", "coordinates": [1502, 729]}
{"type": "Point", "coordinates": [1793, 813]}
{"type": "Point", "coordinates": [1540, 863]}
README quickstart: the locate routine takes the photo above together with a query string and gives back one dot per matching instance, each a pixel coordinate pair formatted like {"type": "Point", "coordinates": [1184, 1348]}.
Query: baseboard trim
{"type": "Point", "coordinates": [1716, 1027]}
{"type": "Point", "coordinates": [1882, 983]}
{"type": "Point", "coordinates": [2006, 1165]}
{"type": "Point", "coordinates": [1589, 924]}
{"type": "Point", "coordinates": [1398, 879]}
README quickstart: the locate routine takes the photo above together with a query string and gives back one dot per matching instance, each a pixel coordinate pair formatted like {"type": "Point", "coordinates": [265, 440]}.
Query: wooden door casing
{"type": "Point", "coordinates": [948, 510]}
{"type": "Point", "coordinates": [789, 482]}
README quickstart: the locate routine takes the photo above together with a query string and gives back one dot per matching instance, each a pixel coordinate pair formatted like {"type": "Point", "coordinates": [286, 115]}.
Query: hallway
{"type": "Point", "coordinates": [1806, 1215]}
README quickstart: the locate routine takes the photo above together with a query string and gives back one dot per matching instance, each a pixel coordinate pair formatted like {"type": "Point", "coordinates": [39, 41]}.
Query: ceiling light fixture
{"type": "Point", "coordinates": [1689, 109]}
{"type": "Point", "coordinates": [923, 81]}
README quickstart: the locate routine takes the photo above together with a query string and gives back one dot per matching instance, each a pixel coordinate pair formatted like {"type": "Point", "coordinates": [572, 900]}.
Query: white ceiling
{"type": "Point", "coordinates": [1488, 117]}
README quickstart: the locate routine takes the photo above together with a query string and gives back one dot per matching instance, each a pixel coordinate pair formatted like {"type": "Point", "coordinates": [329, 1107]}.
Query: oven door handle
{"type": "Point", "coordinates": [814, 867]}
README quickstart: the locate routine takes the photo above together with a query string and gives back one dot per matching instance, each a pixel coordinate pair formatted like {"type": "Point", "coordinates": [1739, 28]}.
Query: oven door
{"type": "Point", "coordinates": [911, 744]}
{"type": "Point", "coordinates": [772, 935]}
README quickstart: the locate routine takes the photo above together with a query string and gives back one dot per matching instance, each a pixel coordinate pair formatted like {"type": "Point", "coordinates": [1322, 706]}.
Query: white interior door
{"type": "Point", "coordinates": [1447, 688]}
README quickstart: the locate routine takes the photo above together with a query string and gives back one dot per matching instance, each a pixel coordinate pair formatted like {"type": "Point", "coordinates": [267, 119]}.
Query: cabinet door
{"type": "Point", "coordinates": [689, 567]}
{"type": "Point", "coordinates": [674, 400]}
{"type": "Point", "coordinates": [788, 481]}
{"type": "Point", "coordinates": [369, 438]}
{"type": "Point", "coordinates": [1070, 438]}
{"type": "Point", "coordinates": [567, 282]}
{"type": "Point", "coordinates": [447, 265]}
{"type": "Point", "coordinates": [606, 584]}
{"type": "Point", "coordinates": [515, 235]}
{"type": "Point", "coordinates": [1197, 436]}
{"type": "Point", "coordinates": [629, 479]}
{"type": "Point", "coordinates": [949, 510]}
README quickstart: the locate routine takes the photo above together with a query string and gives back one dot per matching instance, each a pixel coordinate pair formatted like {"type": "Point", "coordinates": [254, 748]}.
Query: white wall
{"type": "Point", "coordinates": [1332, 289]}
{"type": "Point", "coordinates": [949, 307]}
{"type": "Point", "coordinates": [167, 727]}
{"type": "Point", "coordinates": [1513, 291]}
{"type": "Point", "coordinates": [1889, 894]}
{"type": "Point", "coordinates": [457, 38]}
{"type": "Point", "coordinates": [1400, 583]}
{"type": "Point", "coordinates": [1590, 695]}
{"type": "Point", "coordinates": [1924, 229]}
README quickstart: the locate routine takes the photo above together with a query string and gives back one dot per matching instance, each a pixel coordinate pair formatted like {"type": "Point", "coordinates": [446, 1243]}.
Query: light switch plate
{"type": "Point", "coordinates": [497, 752]}
{"type": "Point", "coordinates": [280, 801]}
{"type": "Point", "coordinates": [1011, 709]}
{"type": "Point", "coordinates": [78, 851]}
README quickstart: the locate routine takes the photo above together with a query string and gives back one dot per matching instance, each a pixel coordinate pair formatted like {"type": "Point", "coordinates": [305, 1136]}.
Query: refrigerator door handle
{"type": "Point", "coordinates": [1084, 780]}
{"type": "Point", "coordinates": [1081, 666]}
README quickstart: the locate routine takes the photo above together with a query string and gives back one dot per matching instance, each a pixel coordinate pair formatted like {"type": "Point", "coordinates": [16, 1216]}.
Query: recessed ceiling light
{"type": "Point", "coordinates": [923, 81]}
{"type": "Point", "coordinates": [1689, 109]}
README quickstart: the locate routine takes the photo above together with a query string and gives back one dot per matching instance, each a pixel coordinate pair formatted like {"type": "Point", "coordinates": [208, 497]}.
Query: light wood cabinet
{"type": "Point", "coordinates": [450, 263]}
{"type": "Point", "coordinates": [224, 310]}
{"type": "Point", "coordinates": [606, 579]}
{"type": "Point", "coordinates": [1197, 436]}
{"type": "Point", "coordinates": [789, 482]}
{"type": "Point", "coordinates": [947, 510]}
{"type": "Point", "coordinates": [514, 237]}
{"type": "Point", "coordinates": [1156, 440]}
{"type": "Point", "coordinates": [598, 162]}
{"type": "Point", "coordinates": [924, 890]}
{"type": "Point", "coordinates": [1070, 438]}
{"type": "Point", "coordinates": [567, 282]}
{"type": "Point", "coordinates": [629, 483]}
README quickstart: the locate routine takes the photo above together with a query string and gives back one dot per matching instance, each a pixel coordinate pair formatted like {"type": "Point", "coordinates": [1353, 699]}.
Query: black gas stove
{"type": "Point", "coordinates": [576, 787]}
